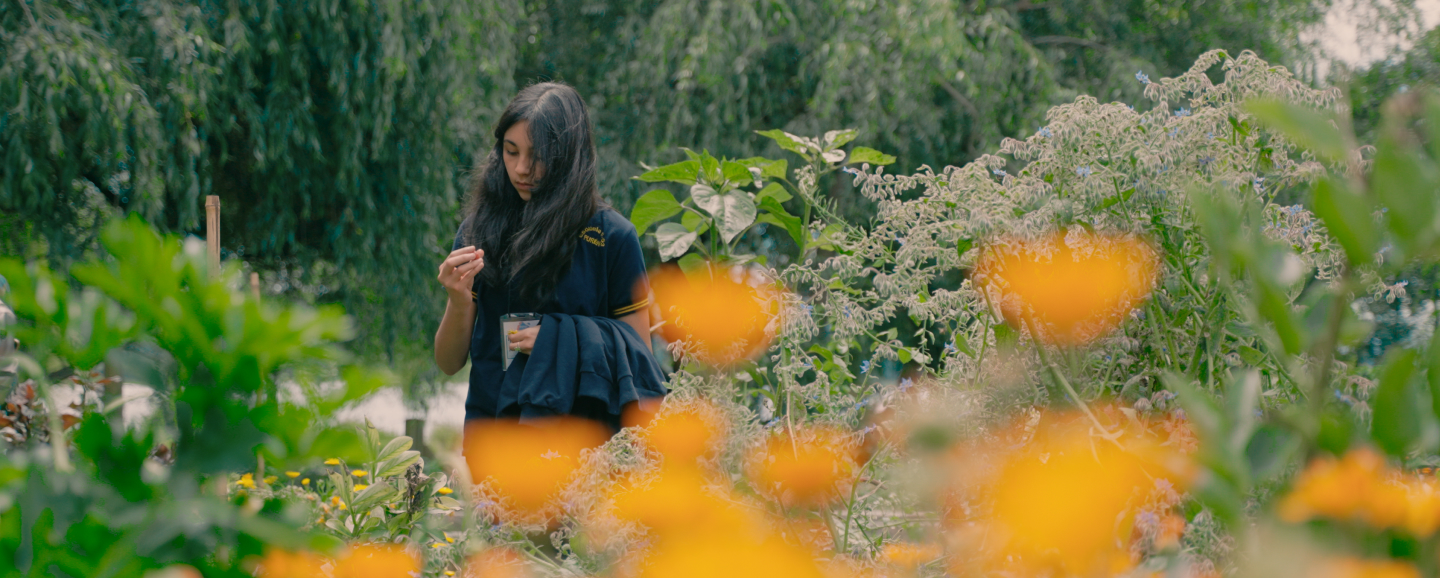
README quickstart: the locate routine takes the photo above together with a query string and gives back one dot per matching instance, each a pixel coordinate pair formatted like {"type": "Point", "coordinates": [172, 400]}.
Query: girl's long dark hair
{"type": "Point", "coordinates": [529, 245]}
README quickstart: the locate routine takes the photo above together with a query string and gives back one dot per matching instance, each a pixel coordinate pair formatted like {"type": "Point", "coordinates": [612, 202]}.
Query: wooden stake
{"type": "Point", "coordinates": [212, 233]}
{"type": "Point", "coordinates": [255, 285]}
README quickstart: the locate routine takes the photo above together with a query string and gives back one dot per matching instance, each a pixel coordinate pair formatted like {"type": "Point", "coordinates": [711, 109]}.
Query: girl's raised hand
{"type": "Point", "coordinates": [457, 272]}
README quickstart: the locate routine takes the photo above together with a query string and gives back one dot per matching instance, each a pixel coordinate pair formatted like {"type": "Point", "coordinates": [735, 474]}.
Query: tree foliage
{"type": "Point", "coordinates": [330, 130]}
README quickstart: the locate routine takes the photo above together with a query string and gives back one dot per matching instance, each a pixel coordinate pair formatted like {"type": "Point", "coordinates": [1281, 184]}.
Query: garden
{"type": "Point", "coordinates": [1184, 329]}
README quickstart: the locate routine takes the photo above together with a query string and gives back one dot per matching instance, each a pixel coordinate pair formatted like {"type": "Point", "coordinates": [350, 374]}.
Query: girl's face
{"type": "Point", "coordinates": [520, 163]}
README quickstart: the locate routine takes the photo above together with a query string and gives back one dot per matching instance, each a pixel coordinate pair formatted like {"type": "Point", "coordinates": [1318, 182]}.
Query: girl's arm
{"type": "Point", "coordinates": [452, 340]}
{"type": "Point", "coordinates": [640, 320]}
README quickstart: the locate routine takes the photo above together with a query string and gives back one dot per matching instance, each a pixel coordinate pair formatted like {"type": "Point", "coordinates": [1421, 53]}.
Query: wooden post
{"type": "Point", "coordinates": [255, 286]}
{"type": "Point", "coordinates": [212, 233]}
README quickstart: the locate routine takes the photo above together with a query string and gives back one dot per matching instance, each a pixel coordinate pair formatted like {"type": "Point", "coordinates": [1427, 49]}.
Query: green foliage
{"type": "Point", "coordinates": [331, 131]}
{"type": "Point", "coordinates": [98, 500]}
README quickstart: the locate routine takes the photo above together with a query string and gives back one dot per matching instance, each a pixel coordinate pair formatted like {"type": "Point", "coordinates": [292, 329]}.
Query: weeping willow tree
{"type": "Point", "coordinates": [932, 81]}
{"type": "Point", "coordinates": [333, 131]}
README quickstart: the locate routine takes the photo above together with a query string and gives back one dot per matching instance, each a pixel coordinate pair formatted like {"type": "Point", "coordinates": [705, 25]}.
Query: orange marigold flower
{"type": "Point", "coordinates": [1360, 568]}
{"type": "Point", "coordinates": [278, 563]}
{"type": "Point", "coordinates": [376, 562]}
{"type": "Point", "coordinates": [529, 462]}
{"type": "Point", "coordinates": [684, 433]}
{"type": "Point", "coordinates": [909, 555]}
{"type": "Point", "coordinates": [805, 469]}
{"type": "Point", "coordinates": [497, 563]}
{"type": "Point", "coordinates": [1073, 286]}
{"type": "Point", "coordinates": [725, 319]}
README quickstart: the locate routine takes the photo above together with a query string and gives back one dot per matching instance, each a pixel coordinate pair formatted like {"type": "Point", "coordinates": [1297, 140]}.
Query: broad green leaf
{"type": "Point", "coordinates": [695, 223]}
{"type": "Point", "coordinates": [398, 464]}
{"type": "Point", "coordinates": [903, 354]}
{"type": "Point", "coordinates": [1432, 374]}
{"type": "Point", "coordinates": [733, 210]}
{"type": "Point", "coordinates": [1269, 451]}
{"type": "Point", "coordinates": [963, 246]}
{"type": "Point", "coordinates": [769, 169]}
{"type": "Point", "coordinates": [786, 141]}
{"type": "Point", "coordinates": [1306, 127]}
{"type": "Point", "coordinates": [692, 264]}
{"type": "Point", "coordinates": [838, 138]}
{"type": "Point", "coordinates": [674, 240]}
{"type": "Point", "coordinates": [1348, 217]}
{"type": "Point", "coordinates": [860, 155]}
{"type": "Point", "coordinates": [684, 172]}
{"type": "Point", "coordinates": [773, 191]}
{"type": "Point", "coordinates": [392, 449]}
{"type": "Point", "coordinates": [736, 173]}
{"type": "Point", "coordinates": [776, 214]}
{"type": "Point", "coordinates": [653, 207]}
{"type": "Point", "coordinates": [1396, 424]}
{"type": "Point", "coordinates": [1117, 199]}
{"type": "Point", "coordinates": [1405, 184]}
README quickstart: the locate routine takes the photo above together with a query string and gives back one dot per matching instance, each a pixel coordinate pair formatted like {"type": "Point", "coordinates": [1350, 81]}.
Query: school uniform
{"type": "Point", "coordinates": [585, 362]}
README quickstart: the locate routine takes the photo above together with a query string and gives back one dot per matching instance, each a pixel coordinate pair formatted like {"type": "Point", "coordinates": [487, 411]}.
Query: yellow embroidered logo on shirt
{"type": "Point", "coordinates": [598, 240]}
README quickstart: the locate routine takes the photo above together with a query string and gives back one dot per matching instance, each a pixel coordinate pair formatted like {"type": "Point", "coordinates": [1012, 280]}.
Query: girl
{"type": "Point", "coordinates": [538, 238]}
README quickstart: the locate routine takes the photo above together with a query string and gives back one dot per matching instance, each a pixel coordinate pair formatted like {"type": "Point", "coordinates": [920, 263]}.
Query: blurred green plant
{"type": "Point", "coordinates": [100, 500]}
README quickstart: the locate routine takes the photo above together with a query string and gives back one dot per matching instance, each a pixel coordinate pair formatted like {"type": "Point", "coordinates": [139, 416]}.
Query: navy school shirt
{"type": "Point", "coordinates": [606, 279]}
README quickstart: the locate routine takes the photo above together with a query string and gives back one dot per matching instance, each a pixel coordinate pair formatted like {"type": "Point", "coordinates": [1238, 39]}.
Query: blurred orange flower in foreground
{"type": "Point", "coordinates": [497, 563]}
{"type": "Point", "coordinates": [1066, 500]}
{"type": "Point", "coordinates": [684, 431]}
{"type": "Point", "coordinates": [1358, 568]}
{"type": "Point", "coordinates": [909, 555]}
{"type": "Point", "coordinates": [376, 562]}
{"type": "Point", "coordinates": [1362, 486]}
{"type": "Point", "coordinates": [1074, 286]}
{"type": "Point", "coordinates": [724, 319]}
{"type": "Point", "coordinates": [279, 563]}
{"type": "Point", "coordinates": [807, 468]}
{"type": "Point", "coordinates": [530, 462]}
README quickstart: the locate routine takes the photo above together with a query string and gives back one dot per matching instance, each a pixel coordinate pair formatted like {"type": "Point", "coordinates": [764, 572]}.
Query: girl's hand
{"type": "Point", "coordinates": [457, 272]}
{"type": "Point", "coordinates": [524, 339]}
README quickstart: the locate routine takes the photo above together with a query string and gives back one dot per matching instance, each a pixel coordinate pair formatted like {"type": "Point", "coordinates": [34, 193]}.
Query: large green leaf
{"type": "Point", "coordinates": [776, 214]}
{"type": "Point", "coordinates": [773, 191]}
{"type": "Point", "coordinates": [1347, 216]}
{"type": "Point", "coordinates": [736, 174]}
{"type": "Point", "coordinates": [733, 210]}
{"type": "Point", "coordinates": [1308, 128]}
{"type": "Point", "coordinates": [786, 141]}
{"type": "Point", "coordinates": [684, 172]}
{"type": "Point", "coordinates": [769, 169]}
{"type": "Point", "coordinates": [1405, 182]}
{"type": "Point", "coordinates": [838, 138]}
{"type": "Point", "coordinates": [674, 240]}
{"type": "Point", "coordinates": [1396, 425]}
{"type": "Point", "coordinates": [868, 155]}
{"type": "Point", "coordinates": [652, 207]}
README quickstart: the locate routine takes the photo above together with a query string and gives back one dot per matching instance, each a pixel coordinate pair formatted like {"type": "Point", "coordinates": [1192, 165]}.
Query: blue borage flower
{"type": "Point", "coordinates": [950, 347]}
{"type": "Point", "coordinates": [906, 383]}
{"type": "Point", "coordinates": [1140, 76]}
{"type": "Point", "coordinates": [1182, 112]}
{"type": "Point", "coordinates": [1045, 132]}
{"type": "Point", "coordinates": [865, 367]}
{"type": "Point", "coordinates": [998, 172]}
{"type": "Point", "coordinates": [1259, 183]}
{"type": "Point", "coordinates": [1084, 171]}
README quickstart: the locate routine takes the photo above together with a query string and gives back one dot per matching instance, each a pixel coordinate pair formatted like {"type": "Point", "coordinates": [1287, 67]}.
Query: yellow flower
{"type": "Point", "coordinates": [332, 462]}
{"type": "Point", "coordinates": [246, 481]}
{"type": "Point", "coordinates": [335, 500]}
{"type": "Point", "coordinates": [305, 482]}
{"type": "Point", "coordinates": [449, 572]}
{"type": "Point", "coordinates": [444, 491]}
{"type": "Point", "coordinates": [909, 555]}
{"type": "Point", "coordinates": [684, 433]}
{"type": "Point", "coordinates": [270, 479]}
{"type": "Point", "coordinates": [438, 545]}
{"type": "Point", "coordinates": [448, 538]}
{"type": "Point", "coordinates": [724, 319]}
{"type": "Point", "coordinates": [343, 506]}
{"type": "Point", "coordinates": [359, 473]}
{"type": "Point", "coordinates": [1073, 286]}
{"type": "Point", "coordinates": [1359, 568]}
{"type": "Point", "coordinates": [360, 487]}
{"type": "Point", "coordinates": [292, 475]}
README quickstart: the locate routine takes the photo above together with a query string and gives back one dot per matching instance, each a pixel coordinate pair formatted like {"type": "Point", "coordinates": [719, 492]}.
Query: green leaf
{"type": "Point", "coordinates": [652, 207]}
{"type": "Point", "coordinates": [1405, 184]}
{"type": "Point", "coordinates": [1117, 199]}
{"type": "Point", "coordinates": [392, 449]}
{"type": "Point", "coordinates": [786, 141]}
{"type": "Point", "coordinates": [778, 216]}
{"type": "Point", "coordinates": [1396, 424]}
{"type": "Point", "coordinates": [1305, 127]}
{"type": "Point", "coordinates": [1432, 374]}
{"type": "Point", "coordinates": [838, 138]}
{"type": "Point", "coordinates": [903, 354]}
{"type": "Point", "coordinates": [1269, 451]}
{"type": "Point", "coordinates": [684, 172]}
{"type": "Point", "coordinates": [1347, 216]}
{"type": "Point", "coordinates": [828, 238]}
{"type": "Point", "coordinates": [692, 264]}
{"type": "Point", "coordinates": [736, 173]}
{"type": "Point", "coordinates": [769, 169]}
{"type": "Point", "coordinates": [398, 464]}
{"type": "Point", "coordinates": [773, 191]}
{"type": "Point", "coordinates": [1251, 356]}
{"type": "Point", "coordinates": [694, 222]}
{"type": "Point", "coordinates": [733, 210]}
{"type": "Point", "coordinates": [860, 155]}
{"type": "Point", "coordinates": [674, 240]}
{"type": "Point", "coordinates": [963, 246]}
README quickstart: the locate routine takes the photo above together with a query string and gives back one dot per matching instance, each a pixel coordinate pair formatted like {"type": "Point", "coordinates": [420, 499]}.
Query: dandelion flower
{"type": "Point", "coordinates": [246, 481]}
{"type": "Point", "coordinates": [445, 491]}
{"type": "Point", "coordinates": [292, 475]}
{"type": "Point", "coordinates": [360, 487]}
{"type": "Point", "coordinates": [332, 462]}
{"type": "Point", "coordinates": [271, 479]}
{"type": "Point", "coordinates": [305, 482]}
{"type": "Point", "coordinates": [359, 473]}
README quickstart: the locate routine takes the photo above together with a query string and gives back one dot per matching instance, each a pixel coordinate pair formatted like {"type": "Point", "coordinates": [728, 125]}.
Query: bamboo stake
{"type": "Point", "coordinates": [255, 286]}
{"type": "Point", "coordinates": [212, 233]}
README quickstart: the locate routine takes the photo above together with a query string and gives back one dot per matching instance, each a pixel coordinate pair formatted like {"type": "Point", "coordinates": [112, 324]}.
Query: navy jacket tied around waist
{"type": "Point", "coordinates": [580, 365]}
